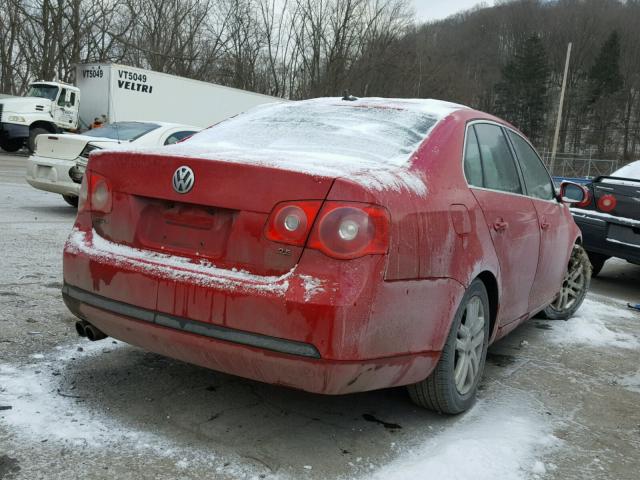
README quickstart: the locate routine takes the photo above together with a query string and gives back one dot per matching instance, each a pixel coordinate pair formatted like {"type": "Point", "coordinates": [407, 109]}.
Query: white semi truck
{"type": "Point", "coordinates": [119, 93]}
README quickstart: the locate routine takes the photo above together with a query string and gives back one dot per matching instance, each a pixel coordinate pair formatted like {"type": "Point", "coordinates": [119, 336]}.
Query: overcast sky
{"type": "Point", "coordinates": [437, 9]}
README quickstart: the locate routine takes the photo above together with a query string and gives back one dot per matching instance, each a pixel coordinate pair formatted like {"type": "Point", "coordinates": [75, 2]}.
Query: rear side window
{"type": "Point", "coordinates": [500, 172]}
{"type": "Point", "coordinates": [177, 136]}
{"type": "Point", "coordinates": [472, 162]}
{"type": "Point", "coordinates": [536, 177]}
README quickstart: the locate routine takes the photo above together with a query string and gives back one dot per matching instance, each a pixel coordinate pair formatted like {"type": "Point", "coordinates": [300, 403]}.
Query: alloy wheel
{"type": "Point", "coordinates": [469, 345]}
{"type": "Point", "coordinates": [573, 285]}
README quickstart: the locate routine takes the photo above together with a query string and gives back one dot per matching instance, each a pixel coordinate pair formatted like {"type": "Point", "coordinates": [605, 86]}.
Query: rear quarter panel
{"type": "Point", "coordinates": [439, 243]}
{"type": "Point", "coordinates": [442, 234]}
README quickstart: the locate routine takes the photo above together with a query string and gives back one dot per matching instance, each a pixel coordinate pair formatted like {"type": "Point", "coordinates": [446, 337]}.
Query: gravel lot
{"type": "Point", "coordinates": [559, 400]}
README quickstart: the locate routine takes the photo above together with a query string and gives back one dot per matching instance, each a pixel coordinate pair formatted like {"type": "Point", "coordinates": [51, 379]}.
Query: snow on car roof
{"type": "Point", "coordinates": [631, 170]}
{"type": "Point", "coordinates": [371, 141]}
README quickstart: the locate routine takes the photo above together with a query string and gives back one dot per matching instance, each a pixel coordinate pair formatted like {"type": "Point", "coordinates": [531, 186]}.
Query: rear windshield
{"type": "Point", "coordinates": [123, 131]}
{"type": "Point", "coordinates": [379, 134]}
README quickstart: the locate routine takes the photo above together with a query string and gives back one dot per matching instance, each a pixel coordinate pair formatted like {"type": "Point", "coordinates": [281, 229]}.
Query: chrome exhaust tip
{"type": "Point", "coordinates": [94, 334]}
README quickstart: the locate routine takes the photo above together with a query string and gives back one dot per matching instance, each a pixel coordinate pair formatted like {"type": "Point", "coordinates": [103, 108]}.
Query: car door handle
{"type": "Point", "coordinates": [500, 225]}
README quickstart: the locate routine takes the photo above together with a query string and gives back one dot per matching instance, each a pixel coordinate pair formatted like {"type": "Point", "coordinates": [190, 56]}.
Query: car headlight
{"type": "Point", "coordinates": [87, 150]}
{"type": "Point", "coordinates": [17, 119]}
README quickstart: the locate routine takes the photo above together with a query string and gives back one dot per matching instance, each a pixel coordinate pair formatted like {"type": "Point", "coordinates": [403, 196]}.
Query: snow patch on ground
{"type": "Point", "coordinates": [631, 382]}
{"type": "Point", "coordinates": [41, 411]}
{"type": "Point", "coordinates": [588, 327]}
{"type": "Point", "coordinates": [498, 439]}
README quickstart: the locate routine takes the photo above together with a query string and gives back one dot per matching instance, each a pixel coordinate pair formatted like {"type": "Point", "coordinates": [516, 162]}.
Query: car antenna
{"type": "Point", "coordinates": [348, 97]}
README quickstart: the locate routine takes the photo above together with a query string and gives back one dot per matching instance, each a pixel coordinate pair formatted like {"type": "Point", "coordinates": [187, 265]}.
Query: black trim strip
{"type": "Point", "coordinates": [266, 342]}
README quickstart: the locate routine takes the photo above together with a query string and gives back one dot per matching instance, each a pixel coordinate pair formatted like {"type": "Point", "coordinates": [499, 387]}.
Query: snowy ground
{"type": "Point", "coordinates": [559, 401]}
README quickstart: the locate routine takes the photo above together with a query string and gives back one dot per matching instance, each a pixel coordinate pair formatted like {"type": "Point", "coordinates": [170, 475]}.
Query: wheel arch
{"type": "Point", "coordinates": [50, 127]}
{"type": "Point", "coordinates": [491, 284]}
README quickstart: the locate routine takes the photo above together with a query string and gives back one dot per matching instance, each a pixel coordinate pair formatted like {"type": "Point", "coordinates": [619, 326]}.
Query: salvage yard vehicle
{"type": "Point", "coordinates": [328, 245]}
{"type": "Point", "coordinates": [47, 107]}
{"type": "Point", "coordinates": [610, 217]}
{"type": "Point", "coordinates": [59, 161]}
{"type": "Point", "coordinates": [119, 93]}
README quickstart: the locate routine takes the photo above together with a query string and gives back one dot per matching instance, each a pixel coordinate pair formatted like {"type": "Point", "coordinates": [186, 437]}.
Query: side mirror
{"type": "Point", "coordinates": [574, 194]}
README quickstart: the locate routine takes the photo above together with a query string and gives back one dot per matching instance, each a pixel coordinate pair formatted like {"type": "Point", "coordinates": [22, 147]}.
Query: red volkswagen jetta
{"type": "Point", "coordinates": [329, 245]}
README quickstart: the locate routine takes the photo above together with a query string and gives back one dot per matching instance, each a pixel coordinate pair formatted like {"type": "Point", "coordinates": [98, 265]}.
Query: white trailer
{"type": "Point", "coordinates": [119, 93]}
{"type": "Point", "coordinates": [137, 94]}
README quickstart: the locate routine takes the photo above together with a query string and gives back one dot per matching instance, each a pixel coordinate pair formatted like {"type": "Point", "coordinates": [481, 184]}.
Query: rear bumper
{"type": "Point", "coordinates": [257, 357]}
{"type": "Point", "coordinates": [51, 175]}
{"type": "Point", "coordinates": [75, 298]}
{"type": "Point", "coordinates": [595, 237]}
{"type": "Point", "coordinates": [326, 326]}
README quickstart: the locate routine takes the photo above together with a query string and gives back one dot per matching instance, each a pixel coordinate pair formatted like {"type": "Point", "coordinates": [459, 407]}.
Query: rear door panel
{"type": "Point", "coordinates": [517, 247]}
{"type": "Point", "coordinates": [554, 223]}
{"type": "Point", "coordinates": [555, 248]}
{"type": "Point", "coordinates": [511, 217]}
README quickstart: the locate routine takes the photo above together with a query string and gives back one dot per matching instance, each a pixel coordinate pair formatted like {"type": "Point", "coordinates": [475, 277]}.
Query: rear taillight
{"type": "Point", "coordinates": [95, 194]}
{"type": "Point", "coordinates": [350, 230]}
{"type": "Point", "coordinates": [343, 230]}
{"type": "Point", "coordinates": [607, 203]}
{"type": "Point", "coordinates": [290, 222]}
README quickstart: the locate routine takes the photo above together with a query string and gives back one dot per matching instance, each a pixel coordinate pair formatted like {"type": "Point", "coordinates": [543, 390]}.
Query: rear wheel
{"type": "Point", "coordinates": [33, 133]}
{"type": "Point", "coordinates": [11, 144]}
{"type": "Point", "coordinates": [574, 287]}
{"type": "Point", "coordinates": [71, 200]}
{"type": "Point", "coordinates": [597, 262]}
{"type": "Point", "coordinates": [451, 388]}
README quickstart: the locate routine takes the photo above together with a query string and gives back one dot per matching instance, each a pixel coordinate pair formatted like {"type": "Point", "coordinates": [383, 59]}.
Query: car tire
{"type": "Point", "coordinates": [574, 287]}
{"type": "Point", "coordinates": [445, 390]}
{"type": "Point", "coordinates": [597, 262]}
{"type": "Point", "coordinates": [33, 133]}
{"type": "Point", "coordinates": [71, 200]}
{"type": "Point", "coordinates": [11, 145]}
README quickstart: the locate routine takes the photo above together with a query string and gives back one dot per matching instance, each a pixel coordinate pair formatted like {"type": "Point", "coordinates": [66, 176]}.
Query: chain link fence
{"type": "Point", "coordinates": [575, 165]}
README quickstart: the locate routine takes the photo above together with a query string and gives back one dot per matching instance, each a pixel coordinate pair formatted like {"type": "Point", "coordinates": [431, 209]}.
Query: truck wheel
{"type": "Point", "coordinates": [574, 287]}
{"type": "Point", "coordinates": [71, 200]}
{"type": "Point", "coordinates": [33, 133]}
{"type": "Point", "coordinates": [597, 262]}
{"type": "Point", "coordinates": [451, 388]}
{"type": "Point", "coordinates": [11, 144]}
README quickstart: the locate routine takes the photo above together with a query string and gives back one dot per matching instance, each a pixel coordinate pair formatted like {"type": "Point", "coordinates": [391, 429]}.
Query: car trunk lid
{"type": "Point", "coordinates": [63, 147]}
{"type": "Point", "coordinates": [626, 193]}
{"type": "Point", "coordinates": [220, 220]}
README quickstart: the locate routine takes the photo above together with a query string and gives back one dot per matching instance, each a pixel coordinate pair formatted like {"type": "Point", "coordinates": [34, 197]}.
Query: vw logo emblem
{"type": "Point", "coordinates": [183, 179]}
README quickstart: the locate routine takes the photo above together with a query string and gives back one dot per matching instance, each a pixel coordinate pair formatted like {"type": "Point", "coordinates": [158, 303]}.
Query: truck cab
{"type": "Point", "coordinates": [48, 107]}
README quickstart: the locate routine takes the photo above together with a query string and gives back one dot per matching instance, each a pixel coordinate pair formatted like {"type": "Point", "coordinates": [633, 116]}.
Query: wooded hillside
{"type": "Point", "coordinates": [506, 59]}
